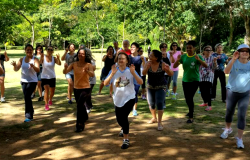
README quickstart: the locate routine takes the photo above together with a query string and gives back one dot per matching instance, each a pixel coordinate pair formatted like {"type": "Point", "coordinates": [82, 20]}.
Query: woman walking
{"type": "Point", "coordinates": [219, 73]}
{"type": "Point", "coordinates": [69, 59]}
{"type": "Point", "coordinates": [108, 60]}
{"type": "Point", "coordinates": [137, 61]}
{"type": "Point", "coordinates": [48, 75]}
{"type": "Point", "coordinates": [30, 67]}
{"type": "Point", "coordinates": [123, 79]}
{"type": "Point", "coordinates": [175, 53]}
{"type": "Point", "coordinates": [207, 77]}
{"type": "Point", "coordinates": [3, 57]}
{"type": "Point", "coordinates": [238, 88]}
{"type": "Point", "coordinates": [38, 54]}
{"type": "Point", "coordinates": [143, 86]}
{"type": "Point", "coordinates": [157, 85]}
{"type": "Point", "coordinates": [82, 70]}
{"type": "Point", "coordinates": [190, 81]}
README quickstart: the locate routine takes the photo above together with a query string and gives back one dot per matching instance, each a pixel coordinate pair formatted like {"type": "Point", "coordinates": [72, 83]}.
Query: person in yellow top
{"type": "Point", "coordinates": [82, 90]}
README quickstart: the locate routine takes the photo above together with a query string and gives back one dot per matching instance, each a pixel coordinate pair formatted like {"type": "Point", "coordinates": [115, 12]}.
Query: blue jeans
{"type": "Point", "coordinates": [156, 97]}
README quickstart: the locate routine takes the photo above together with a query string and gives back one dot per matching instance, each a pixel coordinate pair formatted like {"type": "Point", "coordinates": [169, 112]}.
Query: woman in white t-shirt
{"type": "Point", "coordinates": [48, 75]}
{"type": "Point", "coordinates": [123, 79]}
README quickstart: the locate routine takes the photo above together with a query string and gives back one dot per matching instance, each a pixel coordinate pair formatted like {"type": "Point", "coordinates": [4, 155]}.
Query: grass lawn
{"type": "Point", "coordinates": [206, 128]}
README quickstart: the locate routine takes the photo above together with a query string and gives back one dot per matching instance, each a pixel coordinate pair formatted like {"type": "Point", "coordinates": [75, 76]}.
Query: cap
{"type": "Point", "coordinates": [243, 46]}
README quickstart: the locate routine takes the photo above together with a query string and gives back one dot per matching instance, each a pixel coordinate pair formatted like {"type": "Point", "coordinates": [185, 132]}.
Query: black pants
{"type": "Point", "coordinates": [88, 102]}
{"type": "Point", "coordinates": [28, 89]}
{"type": "Point", "coordinates": [81, 96]}
{"type": "Point", "coordinates": [206, 91]}
{"type": "Point", "coordinates": [122, 115]}
{"type": "Point", "coordinates": [221, 75]}
{"type": "Point", "coordinates": [189, 89]}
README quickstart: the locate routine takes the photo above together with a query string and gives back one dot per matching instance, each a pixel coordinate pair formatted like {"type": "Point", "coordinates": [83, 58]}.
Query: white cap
{"type": "Point", "coordinates": [243, 46]}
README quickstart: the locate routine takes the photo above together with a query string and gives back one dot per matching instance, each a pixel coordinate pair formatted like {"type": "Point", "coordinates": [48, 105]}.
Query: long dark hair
{"type": "Point", "coordinates": [112, 48]}
{"type": "Point", "coordinates": [88, 56]}
{"type": "Point", "coordinates": [157, 54]}
{"type": "Point", "coordinates": [37, 47]}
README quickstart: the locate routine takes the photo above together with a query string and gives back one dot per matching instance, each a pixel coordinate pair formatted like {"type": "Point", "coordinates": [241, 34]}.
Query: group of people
{"type": "Point", "coordinates": [125, 71]}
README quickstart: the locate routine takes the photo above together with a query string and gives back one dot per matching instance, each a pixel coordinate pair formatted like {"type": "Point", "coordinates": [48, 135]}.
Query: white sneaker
{"type": "Point", "coordinates": [239, 143]}
{"type": "Point", "coordinates": [3, 99]}
{"type": "Point", "coordinates": [226, 132]}
{"type": "Point", "coordinates": [88, 111]}
{"type": "Point", "coordinates": [43, 94]}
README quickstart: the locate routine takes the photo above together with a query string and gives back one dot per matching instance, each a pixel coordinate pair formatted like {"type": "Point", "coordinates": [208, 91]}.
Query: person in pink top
{"type": "Point", "coordinates": [173, 51]}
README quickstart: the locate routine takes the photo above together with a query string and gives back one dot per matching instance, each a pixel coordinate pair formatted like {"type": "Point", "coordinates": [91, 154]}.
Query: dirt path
{"type": "Point", "coordinates": [51, 136]}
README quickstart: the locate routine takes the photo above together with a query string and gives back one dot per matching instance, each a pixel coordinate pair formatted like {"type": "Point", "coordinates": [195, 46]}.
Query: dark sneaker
{"type": "Point", "coordinates": [70, 102]}
{"type": "Point", "coordinates": [80, 128]}
{"type": "Point", "coordinates": [189, 121]}
{"type": "Point", "coordinates": [40, 99]}
{"type": "Point", "coordinates": [125, 144]}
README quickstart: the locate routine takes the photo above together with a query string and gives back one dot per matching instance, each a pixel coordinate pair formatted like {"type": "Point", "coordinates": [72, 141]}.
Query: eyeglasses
{"type": "Point", "coordinates": [164, 47]}
{"type": "Point", "coordinates": [50, 49]}
{"type": "Point", "coordinates": [174, 45]}
{"type": "Point", "coordinates": [244, 51]}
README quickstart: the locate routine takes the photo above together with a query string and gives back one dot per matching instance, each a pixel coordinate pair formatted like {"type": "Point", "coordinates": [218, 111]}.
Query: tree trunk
{"type": "Point", "coordinates": [49, 30]}
{"type": "Point", "coordinates": [247, 27]}
{"type": "Point", "coordinates": [231, 26]}
{"type": "Point", "coordinates": [33, 35]}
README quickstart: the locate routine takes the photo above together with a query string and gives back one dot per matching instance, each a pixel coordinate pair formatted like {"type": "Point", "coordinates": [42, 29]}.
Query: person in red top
{"type": "Point", "coordinates": [126, 49]}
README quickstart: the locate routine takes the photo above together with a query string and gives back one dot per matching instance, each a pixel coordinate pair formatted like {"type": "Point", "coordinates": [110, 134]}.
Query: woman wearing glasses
{"type": "Point", "coordinates": [48, 75]}
{"type": "Point", "coordinates": [207, 77]}
{"type": "Point", "coordinates": [175, 53]}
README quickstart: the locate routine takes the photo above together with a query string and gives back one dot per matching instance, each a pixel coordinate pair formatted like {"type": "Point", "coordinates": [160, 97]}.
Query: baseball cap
{"type": "Point", "coordinates": [243, 46]}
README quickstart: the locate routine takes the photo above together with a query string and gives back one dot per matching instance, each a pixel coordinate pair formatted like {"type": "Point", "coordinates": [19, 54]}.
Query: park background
{"type": "Point", "coordinates": [51, 134]}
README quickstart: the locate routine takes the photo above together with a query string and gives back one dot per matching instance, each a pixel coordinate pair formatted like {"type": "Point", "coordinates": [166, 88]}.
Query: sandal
{"type": "Point", "coordinates": [152, 121]}
{"type": "Point", "coordinates": [160, 127]}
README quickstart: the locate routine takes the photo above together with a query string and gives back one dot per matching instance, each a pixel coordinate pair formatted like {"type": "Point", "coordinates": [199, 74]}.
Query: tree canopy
{"type": "Point", "coordinates": [148, 22]}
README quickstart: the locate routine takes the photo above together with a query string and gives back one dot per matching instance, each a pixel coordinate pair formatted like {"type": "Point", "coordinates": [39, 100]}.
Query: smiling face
{"type": "Point", "coordinates": [190, 49]}
{"type": "Point", "coordinates": [164, 48]}
{"type": "Point", "coordinates": [50, 50]}
{"type": "Point", "coordinates": [81, 55]}
{"type": "Point", "coordinates": [152, 57]}
{"type": "Point", "coordinates": [244, 53]}
{"type": "Point", "coordinates": [219, 49]}
{"type": "Point", "coordinates": [110, 51]}
{"type": "Point", "coordinates": [134, 49]}
{"type": "Point", "coordinates": [71, 48]}
{"type": "Point", "coordinates": [207, 51]}
{"type": "Point", "coordinates": [29, 51]}
{"type": "Point", "coordinates": [122, 60]}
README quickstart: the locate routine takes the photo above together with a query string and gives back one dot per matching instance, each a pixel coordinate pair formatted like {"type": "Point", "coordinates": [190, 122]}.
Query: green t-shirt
{"type": "Point", "coordinates": [191, 68]}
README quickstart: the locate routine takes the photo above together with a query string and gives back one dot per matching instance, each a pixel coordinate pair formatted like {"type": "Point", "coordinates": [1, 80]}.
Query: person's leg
{"type": "Point", "coordinates": [190, 89]}
{"type": "Point", "coordinates": [88, 102]}
{"type": "Point", "coordinates": [151, 103]}
{"type": "Point", "coordinates": [160, 95]}
{"type": "Point", "coordinates": [143, 86]}
{"type": "Point", "coordinates": [101, 86]}
{"type": "Point", "coordinates": [28, 89]}
{"type": "Point", "coordinates": [209, 89]}
{"type": "Point", "coordinates": [203, 92]}
{"type": "Point", "coordinates": [175, 78]}
{"type": "Point", "coordinates": [2, 86]}
{"type": "Point", "coordinates": [137, 87]}
{"type": "Point", "coordinates": [232, 99]}
{"type": "Point", "coordinates": [52, 92]}
{"type": "Point", "coordinates": [39, 88]}
{"type": "Point", "coordinates": [222, 78]}
{"type": "Point", "coordinates": [52, 87]}
{"type": "Point", "coordinates": [216, 75]}
{"type": "Point", "coordinates": [46, 94]}
{"type": "Point", "coordinates": [242, 111]}
{"type": "Point", "coordinates": [70, 88]}
{"type": "Point", "coordinates": [82, 116]}
{"type": "Point", "coordinates": [168, 85]}
{"type": "Point", "coordinates": [111, 90]}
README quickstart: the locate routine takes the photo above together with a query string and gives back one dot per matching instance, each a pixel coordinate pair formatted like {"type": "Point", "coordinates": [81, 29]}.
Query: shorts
{"type": "Point", "coordinates": [51, 82]}
{"type": "Point", "coordinates": [69, 76]}
{"type": "Point", "coordinates": [3, 75]}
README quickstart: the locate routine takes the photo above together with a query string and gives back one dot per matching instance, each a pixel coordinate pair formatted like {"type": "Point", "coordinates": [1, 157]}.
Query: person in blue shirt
{"type": "Point", "coordinates": [238, 89]}
{"type": "Point", "coordinates": [219, 73]}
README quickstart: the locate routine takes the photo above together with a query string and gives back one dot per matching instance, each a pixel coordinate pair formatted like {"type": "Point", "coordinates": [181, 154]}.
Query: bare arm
{"type": "Point", "coordinates": [146, 68]}
{"type": "Point", "coordinates": [17, 66]}
{"type": "Point", "coordinates": [104, 58]}
{"type": "Point", "coordinates": [137, 77]}
{"type": "Point", "coordinates": [204, 64]}
{"type": "Point", "coordinates": [167, 69]}
{"type": "Point", "coordinates": [228, 68]}
{"type": "Point", "coordinates": [89, 70]}
{"type": "Point", "coordinates": [108, 79]}
{"type": "Point", "coordinates": [57, 59]}
{"type": "Point", "coordinates": [177, 62]}
{"type": "Point", "coordinates": [36, 65]}
{"type": "Point", "coordinates": [64, 55]}
{"type": "Point", "coordinates": [67, 68]}
{"type": "Point", "coordinates": [6, 57]}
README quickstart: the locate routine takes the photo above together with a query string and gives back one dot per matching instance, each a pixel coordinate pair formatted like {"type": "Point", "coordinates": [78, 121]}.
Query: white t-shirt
{"type": "Point", "coordinates": [92, 80]}
{"type": "Point", "coordinates": [123, 86]}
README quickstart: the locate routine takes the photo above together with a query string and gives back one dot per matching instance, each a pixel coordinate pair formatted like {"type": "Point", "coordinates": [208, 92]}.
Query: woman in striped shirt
{"type": "Point", "coordinates": [207, 77]}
